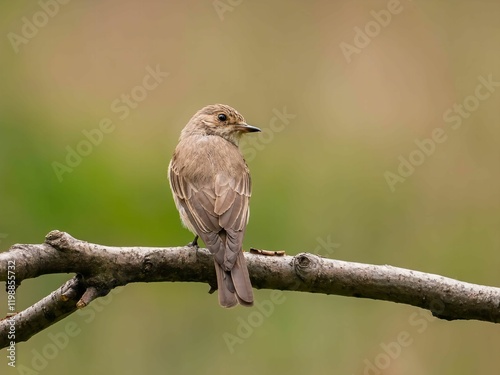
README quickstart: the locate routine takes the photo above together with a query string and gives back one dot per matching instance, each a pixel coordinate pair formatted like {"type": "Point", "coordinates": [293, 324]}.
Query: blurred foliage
{"type": "Point", "coordinates": [320, 177]}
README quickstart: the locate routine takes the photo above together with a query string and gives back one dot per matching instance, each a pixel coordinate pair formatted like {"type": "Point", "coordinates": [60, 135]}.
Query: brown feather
{"type": "Point", "coordinates": [211, 185]}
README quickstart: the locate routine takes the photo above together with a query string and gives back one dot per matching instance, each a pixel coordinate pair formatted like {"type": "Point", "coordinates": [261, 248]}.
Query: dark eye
{"type": "Point", "coordinates": [222, 117]}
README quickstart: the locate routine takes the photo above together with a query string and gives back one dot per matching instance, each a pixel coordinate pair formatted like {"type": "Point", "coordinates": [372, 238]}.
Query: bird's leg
{"type": "Point", "coordinates": [194, 243]}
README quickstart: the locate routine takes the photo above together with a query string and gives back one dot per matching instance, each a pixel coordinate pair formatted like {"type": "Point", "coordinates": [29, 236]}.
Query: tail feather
{"type": "Point", "coordinates": [241, 281]}
{"type": "Point", "coordinates": [234, 286]}
{"type": "Point", "coordinates": [226, 291]}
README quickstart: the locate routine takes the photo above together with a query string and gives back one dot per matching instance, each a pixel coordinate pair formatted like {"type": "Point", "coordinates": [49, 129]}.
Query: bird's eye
{"type": "Point", "coordinates": [222, 117]}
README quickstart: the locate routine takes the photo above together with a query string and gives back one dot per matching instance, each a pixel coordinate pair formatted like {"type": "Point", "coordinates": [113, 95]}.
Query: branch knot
{"type": "Point", "coordinates": [306, 265]}
{"type": "Point", "coordinates": [59, 240]}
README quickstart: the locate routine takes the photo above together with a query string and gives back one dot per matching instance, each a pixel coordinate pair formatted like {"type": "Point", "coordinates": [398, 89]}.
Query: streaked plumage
{"type": "Point", "coordinates": [211, 186]}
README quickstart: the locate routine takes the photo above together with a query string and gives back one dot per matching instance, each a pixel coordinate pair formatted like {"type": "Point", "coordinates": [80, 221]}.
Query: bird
{"type": "Point", "coordinates": [211, 187]}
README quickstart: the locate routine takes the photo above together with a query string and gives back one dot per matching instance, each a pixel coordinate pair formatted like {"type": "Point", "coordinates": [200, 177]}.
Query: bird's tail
{"type": "Point", "coordinates": [234, 286]}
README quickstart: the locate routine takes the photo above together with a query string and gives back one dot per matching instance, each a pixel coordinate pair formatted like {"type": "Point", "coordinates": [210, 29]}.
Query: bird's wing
{"type": "Point", "coordinates": [232, 195]}
{"type": "Point", "coordinates": [195, 201]}
{"type": "Point", "coordinates": [218, 211]}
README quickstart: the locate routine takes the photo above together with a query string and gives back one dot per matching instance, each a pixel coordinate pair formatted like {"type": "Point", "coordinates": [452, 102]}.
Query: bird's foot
{"type": "Point", "coordinates": [194, 243]}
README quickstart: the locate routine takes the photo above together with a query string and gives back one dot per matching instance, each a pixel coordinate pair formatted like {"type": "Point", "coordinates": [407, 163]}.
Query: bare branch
{"type": "Point", "coordinates": [100, 268]}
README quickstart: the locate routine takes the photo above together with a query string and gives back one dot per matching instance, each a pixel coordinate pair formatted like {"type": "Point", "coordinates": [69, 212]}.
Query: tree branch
{"type": "Point", "coordinates": [100, 268]}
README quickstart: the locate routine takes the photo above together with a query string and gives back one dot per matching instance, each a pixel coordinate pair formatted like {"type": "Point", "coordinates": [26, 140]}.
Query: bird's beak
{"type": "Point", "coordinates": [245, 128]}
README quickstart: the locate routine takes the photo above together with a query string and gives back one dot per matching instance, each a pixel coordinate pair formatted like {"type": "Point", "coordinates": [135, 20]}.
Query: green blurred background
{"type": "Point", "coordinates": [318, 177]}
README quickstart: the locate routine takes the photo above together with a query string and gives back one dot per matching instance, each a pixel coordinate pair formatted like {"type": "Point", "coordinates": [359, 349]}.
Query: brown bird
{"type": "Point", "coordinates": [211, 185]}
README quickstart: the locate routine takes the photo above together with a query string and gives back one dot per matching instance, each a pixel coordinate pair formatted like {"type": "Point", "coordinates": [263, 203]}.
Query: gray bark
{"type": "Point", "coordinates": [100, 268]}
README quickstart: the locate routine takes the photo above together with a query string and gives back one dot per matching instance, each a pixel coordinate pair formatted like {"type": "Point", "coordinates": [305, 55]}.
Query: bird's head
{"type": "Point", "coordinates": [218, 119]}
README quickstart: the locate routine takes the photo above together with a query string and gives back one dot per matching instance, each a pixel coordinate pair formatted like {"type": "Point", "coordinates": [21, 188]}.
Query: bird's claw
{"type": "Point", "coordinates": [194, 243]}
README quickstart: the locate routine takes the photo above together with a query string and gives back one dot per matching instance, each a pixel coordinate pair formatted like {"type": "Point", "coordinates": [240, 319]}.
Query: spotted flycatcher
{"type": "Point", "coordinates": [211, 185]}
